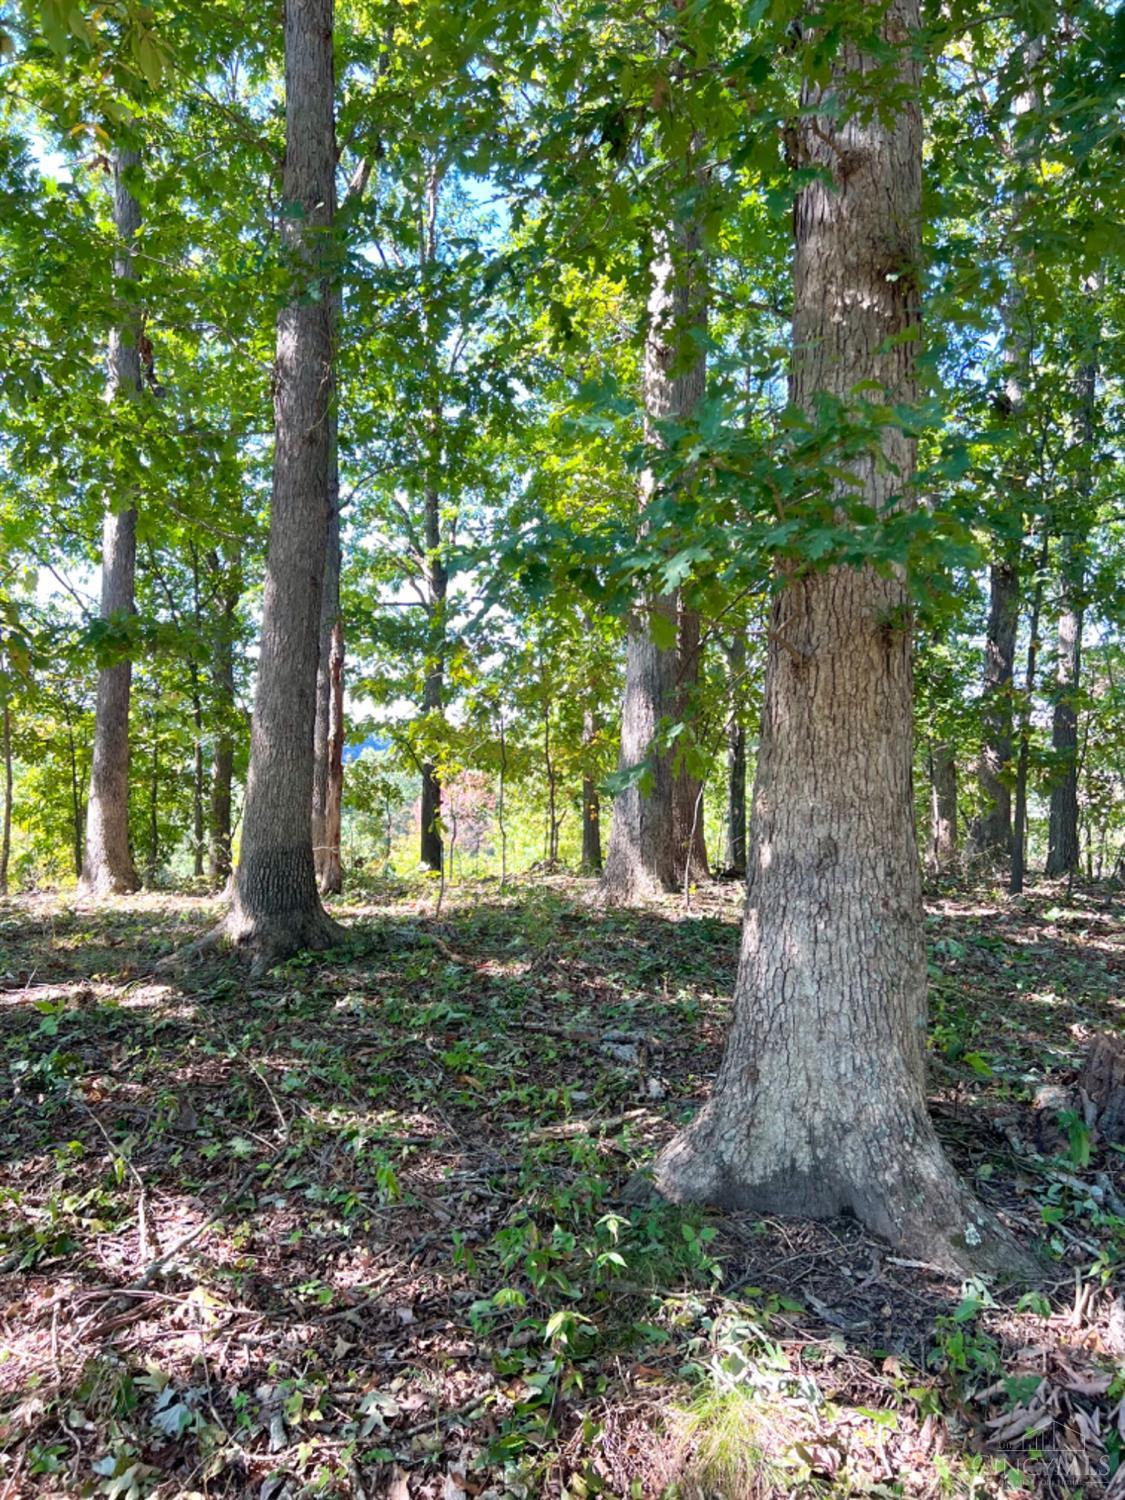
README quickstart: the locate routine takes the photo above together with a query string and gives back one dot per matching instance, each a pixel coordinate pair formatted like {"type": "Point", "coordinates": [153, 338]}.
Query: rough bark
{"type": "Point", "coordinates": [1063, 852]}
{"type": "Point", "coordinates": [276, 908]}
{"type": "Point", "coordinates": [107, 867]}
{"type": "Point", "coordinates": [992, 827]}
{"type": "Point", "coordinates": [1103, 1083]}
{"type": "Point", "coordinates": [332, 872]}
{"type": "Point", "coordinates": [644, 859]}
{"type": "Point", "coordinates": [820, 1104]}
{"type": "Point", "coordinates": [943, 806]}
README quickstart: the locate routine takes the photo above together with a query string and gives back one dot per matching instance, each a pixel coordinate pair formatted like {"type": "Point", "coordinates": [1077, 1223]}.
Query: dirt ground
{"type": "Point", "coordinates": [357, 1228]}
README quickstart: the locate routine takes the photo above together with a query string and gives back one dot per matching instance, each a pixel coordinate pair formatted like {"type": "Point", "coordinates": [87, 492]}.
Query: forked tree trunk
{"type": "Point", "coordinates": [943, 806]}
{"type": "Point", "coordinates": [332, 871]}
{"type": "Point", "coordinates": [107, 866]}
{"type": "Point", "coordinates": [276, 908]}
{"type": "Point", "coordinates": [1062, 846]}
{"type": "Point", "coordinates": [992, 827]}
{"type": "Point", "coordinates": [645, 856]}
{"type": "Point", "coordinates": [820, 1104]}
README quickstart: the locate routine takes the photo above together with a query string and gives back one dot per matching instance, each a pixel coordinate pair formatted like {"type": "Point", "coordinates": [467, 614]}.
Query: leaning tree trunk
{"type": "Point", "coordinates": [645, 857]}
{"type": "Point", "coordinates": [276, 908]}
{"type": "Point", "coordinates": [107, 866]}
{"type": "Point", "coordinates": [820, 1104]}
{"type": "Point", "coordinates": [1062, 839]}
{"type": "Point", "coordinates": [943, 806]}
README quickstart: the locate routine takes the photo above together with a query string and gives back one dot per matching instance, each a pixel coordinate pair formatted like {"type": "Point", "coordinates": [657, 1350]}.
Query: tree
{"type": "Point", "coordinates": [107, 867]}
{"type": "Point", "coordinates": [820, 1104]}
{"type": "Point", "coordinates": [276, 908]}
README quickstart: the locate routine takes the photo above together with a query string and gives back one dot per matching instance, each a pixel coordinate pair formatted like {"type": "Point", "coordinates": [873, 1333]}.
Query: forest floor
{"type": "Point", "coordinates": [357, 1228]}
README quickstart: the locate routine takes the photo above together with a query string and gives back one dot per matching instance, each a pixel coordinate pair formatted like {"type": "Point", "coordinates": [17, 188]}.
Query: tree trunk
{"type": "Point", "coordinates": [6, 836]}
{"type": "Point", "coordinates": [687, 806]}
{"type": "Point", "coordinates": [108, 864]}
{"type": "Point", "coordinates": [1062, 847]}
{"type": "Point", "coordinates": [1019, 826]}
{"type": "Point", "coordinates": [154, 810]}
{"type": "Point", "coordinates": [332, 873]}
{"type": "Point", "coordinates": [75, 796]}
{"type": "Point", "coordinates": [276, 908]}
{"type": "Point", "coordinates": [222, 762]}
{"type": "Point", "coordinates": [943, 806]}
{"type": "Point", "coordinates": [322, 734]}
{"type": "Point", "coordinates": [735, 855]}
{"type": "Point", "coordinates": [646, 841]}
{"type": "Point", "coordinates": [820, 1105]}
{"type": "Point", "coordinates": [433, 689]}
{"type": "Point", "coordinates": [591, 803]}
{"type": "Point", "coordinates": [992, 828]}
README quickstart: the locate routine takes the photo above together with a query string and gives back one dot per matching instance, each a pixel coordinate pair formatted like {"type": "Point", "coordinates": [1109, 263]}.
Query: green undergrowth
{"type": "Point", "coordinates": [363, 1223]}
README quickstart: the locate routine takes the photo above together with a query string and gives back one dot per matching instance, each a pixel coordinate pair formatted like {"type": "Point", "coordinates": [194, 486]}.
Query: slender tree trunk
{"type": "Point", "coordinates": [1063, 852]}
{"type": "Point", "coordinates": [75, 796]}
{"type": "Point", "coordinates": [1019, 828]}
{"type": "Point", "coordinates": [433, 689]}
{"type": "Point", "coordinates": [276, 907]}
{"type": "Point", "coordinates": [332, 872]}
{"type": "Point", "coordinates": [500, 805]}
{"type": "Point", "coordinates": [329, 619]}
{"type": "Point", "coordinates": [222, 762]}
{"type": "Point", "coordinates": [820, 1105]}
{"type": "Point", "coordinates": [646, 849]}
{"type": "Point", "coordinates": [6, 836]}
{"type": "Point", "coordinates": [108, 865]}
{"type": "Point", "coordinates": [691, 842]}
{"type": "Point", "coordinates": [736, 763]}
{"type": "Point", "coordinates": [992, 828]}
{"type": "Point", "coordinates": [591, 803]}
{"type": "Point", "coordinates": [943, 806]}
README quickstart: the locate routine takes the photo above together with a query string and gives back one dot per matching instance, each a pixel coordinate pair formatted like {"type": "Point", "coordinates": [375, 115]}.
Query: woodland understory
{"type": "Point", "coordinates": [363, 1226]}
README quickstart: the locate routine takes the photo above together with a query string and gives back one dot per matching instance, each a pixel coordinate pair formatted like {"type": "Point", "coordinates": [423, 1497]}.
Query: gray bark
{"type": "Point", "coordinates": [1063, 851]}
{"type": "Point", "coordinates": [992, 827]}
{"type": "Point", "coordinates": [736, 763]}
{"type": "Point", "coordinates": [943, 806]}
{"type": "Point", "coordinates": [331, 869]}
{"type": "Point", "coordinates": [645, 856]}
{"type": "Point", "coordinates": [820, 1104]}
{"type": "Point", "coordinates": [276, 907]}
{"type": "Point", "coordinates": [107, 867]}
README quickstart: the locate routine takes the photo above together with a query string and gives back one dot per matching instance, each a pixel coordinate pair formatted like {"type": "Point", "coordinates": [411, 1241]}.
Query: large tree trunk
{"type": "Point", "coordinates": [820, 1104]}
{"type": "Point", "coordinates": [943, 806]}
{"type": "Point", "coordinates": [107, 867]}
{"type": "Point", "coordinates": [276, 908]}
{"type": "Point", "coordinates": [992, 828]}
{"type": "Point", "coordinates": [647, 842]}
{"type": "Point", "coordinates": [736, 762]}
{"type": "Point", "coordinates": [687, 794]}
{"type": "Point", "coordinates": [1062, 846]}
